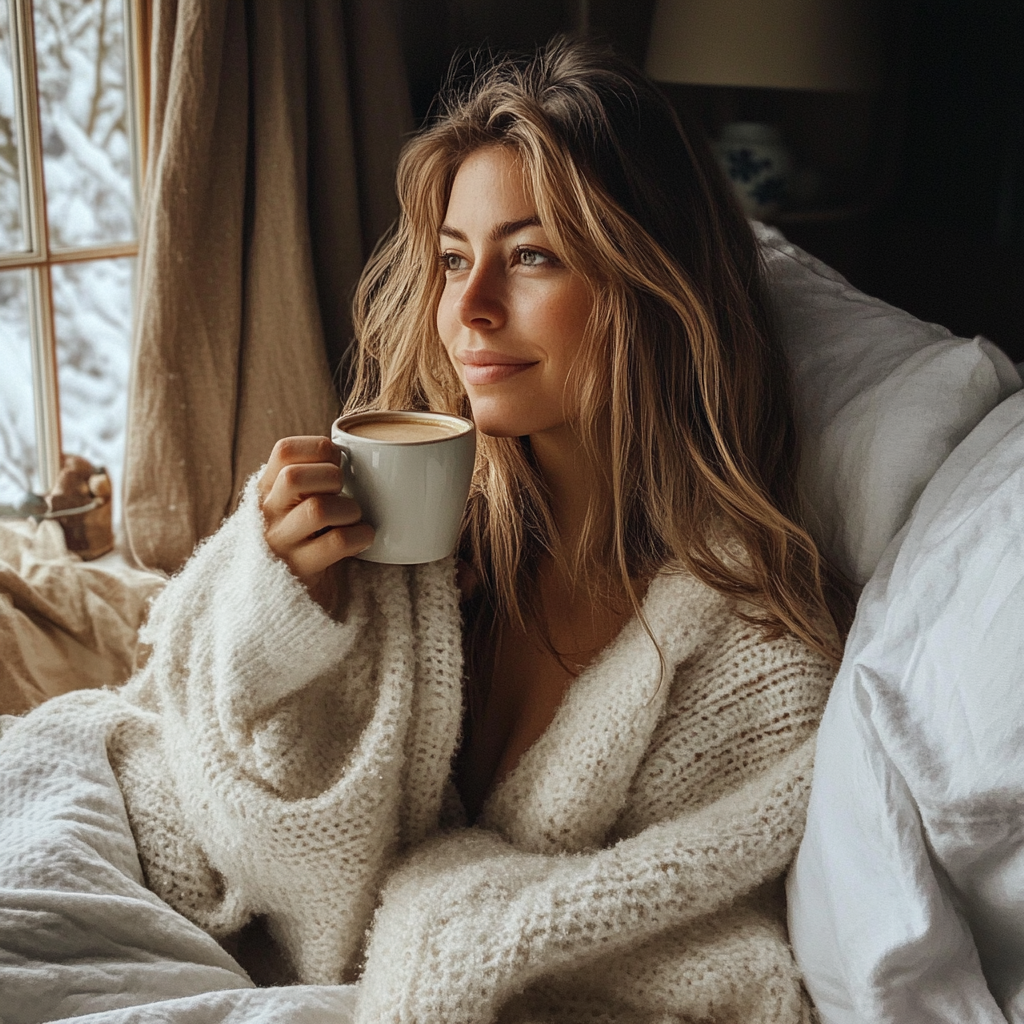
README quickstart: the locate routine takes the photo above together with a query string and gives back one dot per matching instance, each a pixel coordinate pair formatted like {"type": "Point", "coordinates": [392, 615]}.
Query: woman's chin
{"type": "Point", "coordinates": [501, 415]}
{"type": "Point", "coordinates": [515, 426]}
{"type": "Point", "coordinates": [498, 429]}
{"type": "Point", "coordinates": [492, 420]}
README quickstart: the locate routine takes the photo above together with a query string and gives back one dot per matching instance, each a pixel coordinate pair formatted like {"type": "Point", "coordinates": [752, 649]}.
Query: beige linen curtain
{"type": "Point", "coordinates": [274, 130]}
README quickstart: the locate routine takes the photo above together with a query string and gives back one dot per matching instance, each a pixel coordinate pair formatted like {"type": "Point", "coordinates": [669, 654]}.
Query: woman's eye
{"type": "Point", "coordinates": [531, 257]}
{"type": "Point", "coordinates": [453, 261]}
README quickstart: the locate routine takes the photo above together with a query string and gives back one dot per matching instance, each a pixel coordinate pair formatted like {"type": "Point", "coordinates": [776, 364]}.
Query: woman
{"type": "Point", "coordinates": [647, 643]}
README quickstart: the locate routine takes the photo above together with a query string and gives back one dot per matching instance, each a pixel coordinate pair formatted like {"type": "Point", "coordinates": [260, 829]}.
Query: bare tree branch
{"type": "Point", "coordinates": [101, 56]}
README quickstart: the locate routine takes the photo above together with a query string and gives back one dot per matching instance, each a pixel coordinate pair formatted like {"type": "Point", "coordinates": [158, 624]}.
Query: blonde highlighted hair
{"type": "Point", "coordinates": [682, 392]}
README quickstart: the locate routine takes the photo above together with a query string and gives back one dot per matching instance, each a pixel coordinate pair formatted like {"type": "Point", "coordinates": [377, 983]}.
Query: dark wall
{"type": "Point", "coordinates": [434, 30]}
{"type": "Point", "coordinates": [952, 232]}
{"type": "Point", "coordinates": [942, 232]}
{"type": "Point", "coordinates": [965, 125]}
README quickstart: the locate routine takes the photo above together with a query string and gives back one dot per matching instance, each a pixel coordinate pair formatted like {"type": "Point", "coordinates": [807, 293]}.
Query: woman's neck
{"type": "Point", "coordinates": [575, 485]}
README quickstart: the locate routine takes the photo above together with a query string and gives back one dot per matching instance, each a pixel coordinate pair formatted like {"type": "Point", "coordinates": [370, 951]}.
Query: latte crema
{"type": "Point", "coordinates": [401, 430]}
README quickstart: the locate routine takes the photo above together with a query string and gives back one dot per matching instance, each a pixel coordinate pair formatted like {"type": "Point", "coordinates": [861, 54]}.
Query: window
{"type": "Point", "coordinates": [71, 149]}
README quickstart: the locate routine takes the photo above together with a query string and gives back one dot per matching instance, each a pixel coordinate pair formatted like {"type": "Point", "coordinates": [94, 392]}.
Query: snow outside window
{"type": "Point", "coordinates": [69, 172]}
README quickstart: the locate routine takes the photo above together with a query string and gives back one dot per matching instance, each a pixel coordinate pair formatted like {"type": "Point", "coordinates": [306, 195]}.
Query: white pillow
{"type": "Point", "coordinates": [881, 400]}
{"type": "Point", "coordinates": [906, 900]}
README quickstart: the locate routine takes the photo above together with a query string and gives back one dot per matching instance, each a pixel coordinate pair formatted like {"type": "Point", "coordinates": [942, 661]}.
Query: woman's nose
{"type": "Point", "coordinates": [481, 306]}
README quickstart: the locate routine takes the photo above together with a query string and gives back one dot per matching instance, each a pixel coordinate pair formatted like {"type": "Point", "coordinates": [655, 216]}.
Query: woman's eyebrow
{"type": "Point", "coordinates": [503, 230]}
{"type": "Point", "coordinates": [510, 227]}
{"type": "Point", "coordinates": [450, 232]}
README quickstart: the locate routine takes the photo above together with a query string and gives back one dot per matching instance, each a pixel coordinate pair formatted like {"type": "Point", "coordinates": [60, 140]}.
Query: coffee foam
{"type": "Point", "coordinates": [401, 430]}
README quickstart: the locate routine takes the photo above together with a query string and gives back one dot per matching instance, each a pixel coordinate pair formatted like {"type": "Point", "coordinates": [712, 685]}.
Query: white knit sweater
{"type": "Point", "coordinates": [277, 762]}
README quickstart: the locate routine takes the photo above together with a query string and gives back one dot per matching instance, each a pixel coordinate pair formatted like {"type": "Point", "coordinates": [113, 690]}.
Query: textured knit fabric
{"type": "Point", "coordinates": [277, 762]}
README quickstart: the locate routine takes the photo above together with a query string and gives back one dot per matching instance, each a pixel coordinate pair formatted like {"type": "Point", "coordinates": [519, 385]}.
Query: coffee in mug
{"type": "Point", "coordinates": [410, 474]}
{"type": "Point", "coordinates": [405, 431]}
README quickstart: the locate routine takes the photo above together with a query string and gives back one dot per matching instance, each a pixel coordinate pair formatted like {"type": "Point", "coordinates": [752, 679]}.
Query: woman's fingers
{"type": "Point", "coordinates": [294, 451]}
{"type": "Point", "coordinates": [298, 481]}
{"type": "Point", "coordinates": [312, 516]}
{"type": "Point", "coordinates": [316, 554]}
{"type": "Point", "coordinates": [309, 523]}
{"type": "Point", "coordinates": [318, 532]}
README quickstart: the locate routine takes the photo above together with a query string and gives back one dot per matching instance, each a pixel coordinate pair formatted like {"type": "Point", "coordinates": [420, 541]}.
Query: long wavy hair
{"type": "Point", "coordinates": [681, 390]}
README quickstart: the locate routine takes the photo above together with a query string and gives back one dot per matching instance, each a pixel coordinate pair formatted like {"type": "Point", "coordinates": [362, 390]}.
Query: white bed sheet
{"type": "Point", "coordinates": [80, 935]}
{"type": "Point", "coordinates": [907, 896]}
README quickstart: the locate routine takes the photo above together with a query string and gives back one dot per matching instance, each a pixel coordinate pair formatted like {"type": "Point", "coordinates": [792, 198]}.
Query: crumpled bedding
{"type": "Point", "coordinates": [78, 929]}
{"type": "Point", "coordinates": [65, 624]}
{"type": "Point", "coordinates": [906, 901]}
{"type": "Point", "coordinates": [65, 830]}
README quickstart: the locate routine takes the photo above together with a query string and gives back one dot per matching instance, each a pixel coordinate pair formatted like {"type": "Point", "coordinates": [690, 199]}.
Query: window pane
{"type": "Point", "coordinates": [92, 305]}
{"type": "Point", "coordinates": [84, 117]}
{"type": "Point", "coordinates": [12, 234]}
{"type": "Point", "coordinates": [17, 425]}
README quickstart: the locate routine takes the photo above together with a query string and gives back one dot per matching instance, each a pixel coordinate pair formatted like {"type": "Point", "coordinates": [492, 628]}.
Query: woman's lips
{"type": "Point", "coordinates": [482, 367]}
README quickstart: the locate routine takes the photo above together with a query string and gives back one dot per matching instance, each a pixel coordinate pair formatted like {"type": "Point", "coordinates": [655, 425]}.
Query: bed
{"type": "Point", "coordinates": [906, 901]}
{"type": "Point", "coordinates": [883, 402]}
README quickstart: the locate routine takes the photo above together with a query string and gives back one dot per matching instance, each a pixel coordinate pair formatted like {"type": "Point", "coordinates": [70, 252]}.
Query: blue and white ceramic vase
{"type": "Point", "coordinates": [756, 161]}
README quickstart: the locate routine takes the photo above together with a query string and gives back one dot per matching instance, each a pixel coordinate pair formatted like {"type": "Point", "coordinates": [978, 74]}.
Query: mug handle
{"type": "Point", "coordinates": [343, 464]}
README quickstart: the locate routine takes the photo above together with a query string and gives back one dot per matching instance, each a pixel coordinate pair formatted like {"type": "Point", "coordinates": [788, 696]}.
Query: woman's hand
{"type": "Point", "coordinates": [310, 525]}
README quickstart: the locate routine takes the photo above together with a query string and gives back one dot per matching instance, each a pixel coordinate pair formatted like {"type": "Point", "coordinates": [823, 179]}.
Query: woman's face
{"type": "Point", "coordinates": [512, 315]}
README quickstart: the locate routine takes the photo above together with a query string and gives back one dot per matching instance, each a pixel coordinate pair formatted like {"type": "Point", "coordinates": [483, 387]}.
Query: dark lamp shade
{"type": "Point", "coordinates": [826, 45]}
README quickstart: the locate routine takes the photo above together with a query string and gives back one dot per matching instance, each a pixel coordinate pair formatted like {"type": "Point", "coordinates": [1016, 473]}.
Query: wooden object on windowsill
{"type": "Point", "coordinates": [84, 491]}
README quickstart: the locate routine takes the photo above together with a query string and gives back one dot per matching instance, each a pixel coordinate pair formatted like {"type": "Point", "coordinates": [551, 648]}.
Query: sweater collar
{"type": "Point", "coordinates": [570, 786]}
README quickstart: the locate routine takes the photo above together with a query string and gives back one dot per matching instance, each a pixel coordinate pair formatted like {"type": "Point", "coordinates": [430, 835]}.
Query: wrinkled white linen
{"type": "Point", "coordinates": [907, 896]}
{"type": "Point", "coordinates": [79, 932]}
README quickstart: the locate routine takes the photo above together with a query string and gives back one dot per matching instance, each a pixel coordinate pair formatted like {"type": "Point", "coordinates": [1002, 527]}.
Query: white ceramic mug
{"type": "Point", "coordinates": [410, 474]}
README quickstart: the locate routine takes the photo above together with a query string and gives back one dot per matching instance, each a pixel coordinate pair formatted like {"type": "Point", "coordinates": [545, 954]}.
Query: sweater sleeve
{"type": "Point", "coordinates": [285, 736]}
{"type": "Point", "coordinates": [237, 615]}
{"type": "Point", "coordinates": [469, 921]}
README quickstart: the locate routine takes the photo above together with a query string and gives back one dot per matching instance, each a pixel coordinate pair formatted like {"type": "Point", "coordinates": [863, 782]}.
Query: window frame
{"type": "Point", "coordinates": [39, 257]}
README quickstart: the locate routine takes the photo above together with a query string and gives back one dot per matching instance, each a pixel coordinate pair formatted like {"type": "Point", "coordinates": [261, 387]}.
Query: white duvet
{"type": "Point", "coordinates": [78, 929]}
{"type": "Point", "coordinates": [907, 896]}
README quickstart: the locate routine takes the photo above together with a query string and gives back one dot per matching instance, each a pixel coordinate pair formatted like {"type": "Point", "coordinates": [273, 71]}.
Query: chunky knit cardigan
{"type": "Point", "coordinates": [275, 761]}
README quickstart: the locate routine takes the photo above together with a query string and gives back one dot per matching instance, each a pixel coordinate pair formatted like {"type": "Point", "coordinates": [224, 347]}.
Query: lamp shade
{"type": "Point", "coordinates": [826, 45]}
